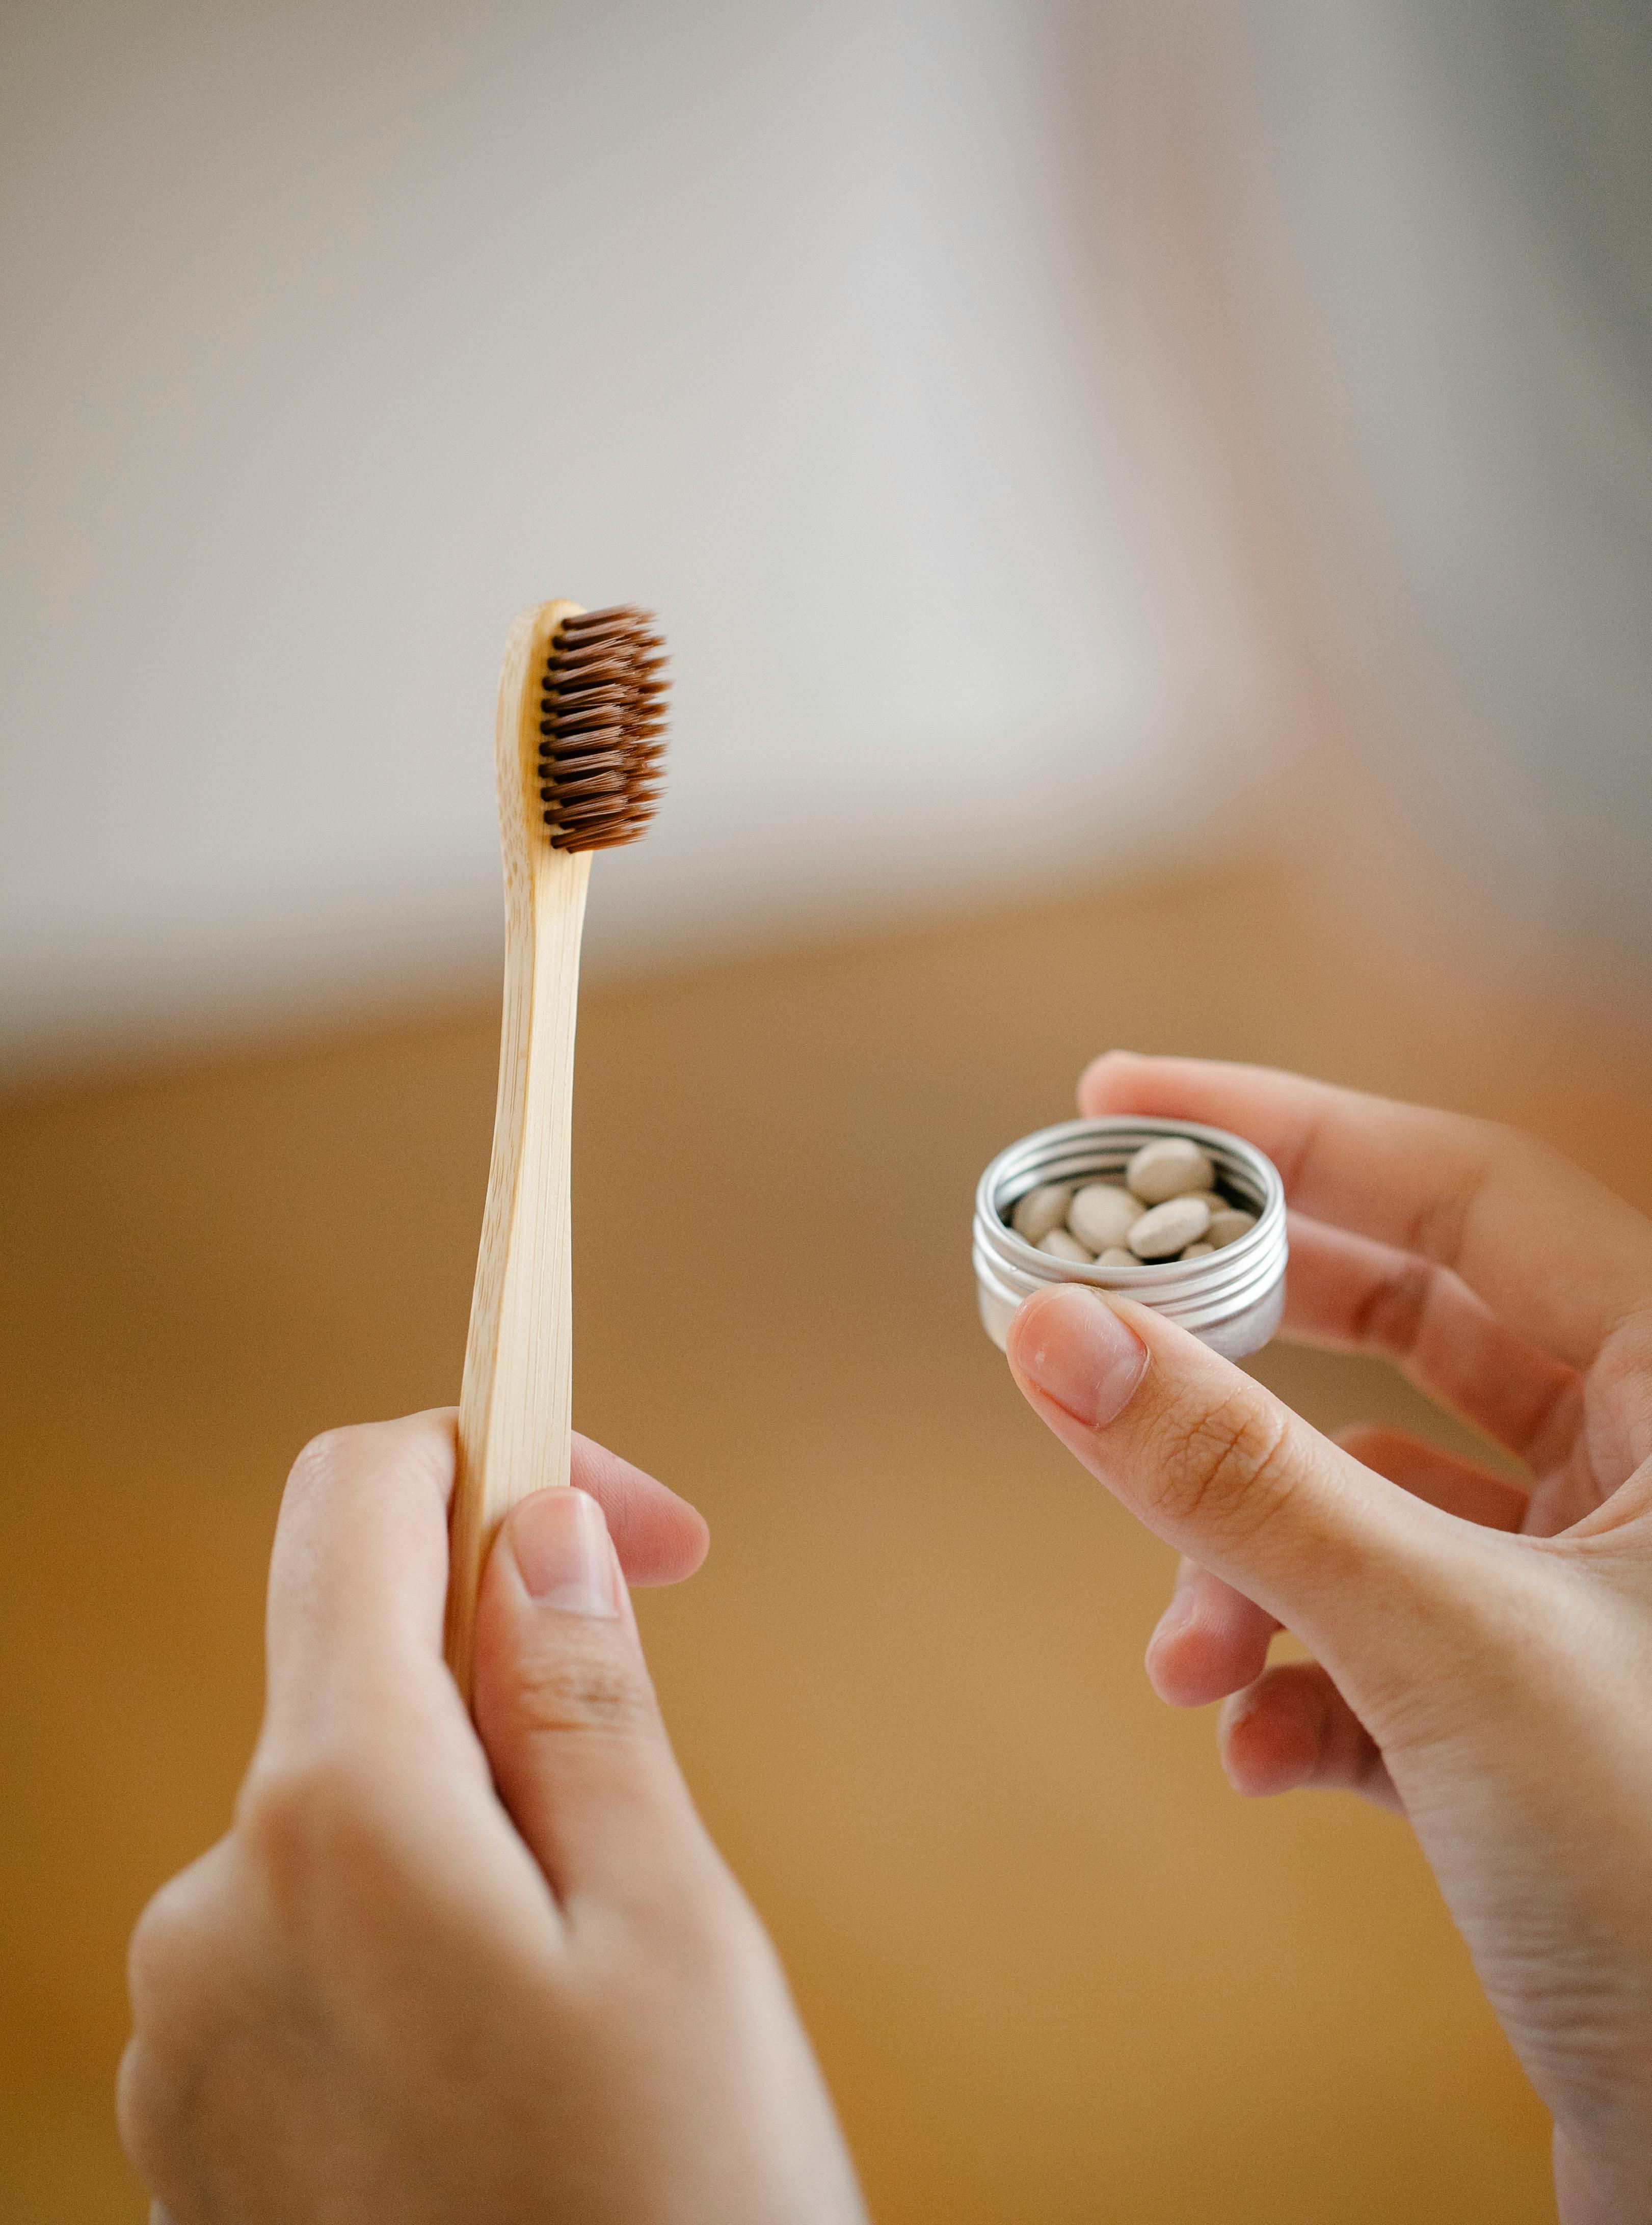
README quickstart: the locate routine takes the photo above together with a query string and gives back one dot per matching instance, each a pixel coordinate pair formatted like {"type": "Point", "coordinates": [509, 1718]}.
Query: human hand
{"type": "Point", "coordinates": [1482, 1654]}
{"type": "Point", "coordinates": [438, 1974]}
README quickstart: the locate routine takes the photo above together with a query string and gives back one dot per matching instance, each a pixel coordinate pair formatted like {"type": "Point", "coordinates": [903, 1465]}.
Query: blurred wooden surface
{"type": "Point", "coordinates": [1056, 1972]}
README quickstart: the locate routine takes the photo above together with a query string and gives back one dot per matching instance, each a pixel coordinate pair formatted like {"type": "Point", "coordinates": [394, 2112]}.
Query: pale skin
{"type": "Point", "coordinates": [1483, 1652]}
{"type": "Point", "coordinates": [454, 1975]}
{"type": "Point", "coordinates": [438, 1972]}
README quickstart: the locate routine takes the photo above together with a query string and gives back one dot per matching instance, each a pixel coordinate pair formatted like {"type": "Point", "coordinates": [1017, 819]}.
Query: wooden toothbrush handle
{"type": "Point", "coordinates": [515, 1411]}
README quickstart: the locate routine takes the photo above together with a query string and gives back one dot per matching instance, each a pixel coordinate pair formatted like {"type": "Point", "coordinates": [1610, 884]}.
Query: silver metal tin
{"type": "Point", "coordinates": [1231, 1299]}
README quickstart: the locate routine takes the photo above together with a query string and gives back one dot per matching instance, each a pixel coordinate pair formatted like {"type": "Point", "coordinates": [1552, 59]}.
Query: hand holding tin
{"type": "Point", "coordinates": [1482, 1652]}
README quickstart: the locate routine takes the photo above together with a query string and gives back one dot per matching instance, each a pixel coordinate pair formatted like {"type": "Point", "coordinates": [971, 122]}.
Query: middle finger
{"type": "Point", "coordinates": [1350, 1294]}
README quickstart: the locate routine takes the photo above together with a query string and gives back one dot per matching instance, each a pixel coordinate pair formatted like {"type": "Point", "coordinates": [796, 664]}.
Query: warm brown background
{"type": "Point", "coordinates": [1055, 1970]}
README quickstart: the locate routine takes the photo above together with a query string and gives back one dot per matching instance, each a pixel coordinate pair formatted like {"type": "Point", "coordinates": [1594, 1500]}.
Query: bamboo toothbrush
{"type": "Point", "coordinates": [577, 749]}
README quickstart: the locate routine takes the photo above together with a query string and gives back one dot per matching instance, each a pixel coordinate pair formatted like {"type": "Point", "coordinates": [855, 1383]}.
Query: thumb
{"type": "Point", "coordinates": [564, 1707]}
{"type": "Point", "coordinates": [1223, 1470]}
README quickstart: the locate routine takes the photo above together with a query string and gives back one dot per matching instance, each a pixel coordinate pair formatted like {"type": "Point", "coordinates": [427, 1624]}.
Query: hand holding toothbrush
{"type": "Point", "coordinates": [457, 1973]}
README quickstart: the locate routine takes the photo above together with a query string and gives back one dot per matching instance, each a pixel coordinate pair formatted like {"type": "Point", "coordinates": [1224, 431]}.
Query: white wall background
{"type": "Point", "coordinates": [1446, 241]}
{"type": "Point", "coordinates": [339, 333]}
{"type": "Point", "coordinates": [874, 348]}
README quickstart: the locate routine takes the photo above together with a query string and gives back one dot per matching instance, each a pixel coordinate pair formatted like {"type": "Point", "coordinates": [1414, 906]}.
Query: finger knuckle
{"type": "Point", "coordinates": [160, 1949]}
{"type": "Point", "coordinates": [718, 1947]}
{"type": "Point", "coordinates": [564, 1689]}
{"type": "Point", "coordinates": [1389, 1317]}
{"type": "Point", "coordinates": [1223, 1465]}
{"type": "Point", "coordinates": [319, 1459]}
{"type": "Point", "coordinates": [1438, 1228]}
{"type": "Point", "coordinates": [148, 2111]}
{"type": "Point", "coordinates": [323, 1457]}
{"type": "Point", "coordinates": [417, 1445]}
{"type": "Point", "coordinates": [181, 1998]}
{"type": "Point", "coordinates": [314, 1837]}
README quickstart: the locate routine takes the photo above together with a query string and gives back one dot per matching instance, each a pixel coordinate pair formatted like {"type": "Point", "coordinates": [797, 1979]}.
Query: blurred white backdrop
{"type": "Point", "coordinates": [1445, 247]}
{"type": "Point", "coordinates": [1048, 431]}
{"type": "Point", "coordinates": [339, 335]}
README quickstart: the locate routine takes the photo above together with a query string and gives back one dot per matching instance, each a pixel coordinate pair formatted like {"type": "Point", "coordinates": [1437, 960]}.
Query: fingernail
{"type": "Point", "coordinates": [1079, 1352]}
{"type": "Point", "coordinates": [560, 1544]}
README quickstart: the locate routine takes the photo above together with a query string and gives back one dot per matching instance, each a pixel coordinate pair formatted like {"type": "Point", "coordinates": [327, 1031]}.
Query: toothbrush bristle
{"type": "Point", "coordinates": [602, 728]}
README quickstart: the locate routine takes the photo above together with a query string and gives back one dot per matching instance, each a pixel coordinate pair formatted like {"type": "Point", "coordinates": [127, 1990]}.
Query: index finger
{"type": "Point", "coordinates": [357, 1584]}
{"type": "Point", "coordinates": [359, 1575]}
{"type": "Point", "coordinates": [1549, 1249]}
{"type": "Point", "coordinates": [364, 1727]}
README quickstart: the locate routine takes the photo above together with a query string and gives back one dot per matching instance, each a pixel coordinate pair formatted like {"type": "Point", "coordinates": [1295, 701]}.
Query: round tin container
{"type": "Point", "coordinates": [1231, 1299]}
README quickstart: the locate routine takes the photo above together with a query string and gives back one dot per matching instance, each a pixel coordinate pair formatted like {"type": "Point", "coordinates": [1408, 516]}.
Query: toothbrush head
{"type": "Point", "coordinates": [601, 727]}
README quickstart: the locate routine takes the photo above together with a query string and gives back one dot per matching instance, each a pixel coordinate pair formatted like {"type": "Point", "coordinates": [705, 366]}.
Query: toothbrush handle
{"type": "Point", "coordinates": [516, 1409]}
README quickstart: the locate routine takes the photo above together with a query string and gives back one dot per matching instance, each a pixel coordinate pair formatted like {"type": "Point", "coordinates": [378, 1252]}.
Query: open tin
{"type": "Point", "coordinates": [1231, 1299]}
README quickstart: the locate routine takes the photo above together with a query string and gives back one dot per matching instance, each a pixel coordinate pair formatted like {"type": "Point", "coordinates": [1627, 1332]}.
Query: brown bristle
{"type": "Point", "coordinates": [602, 717]}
